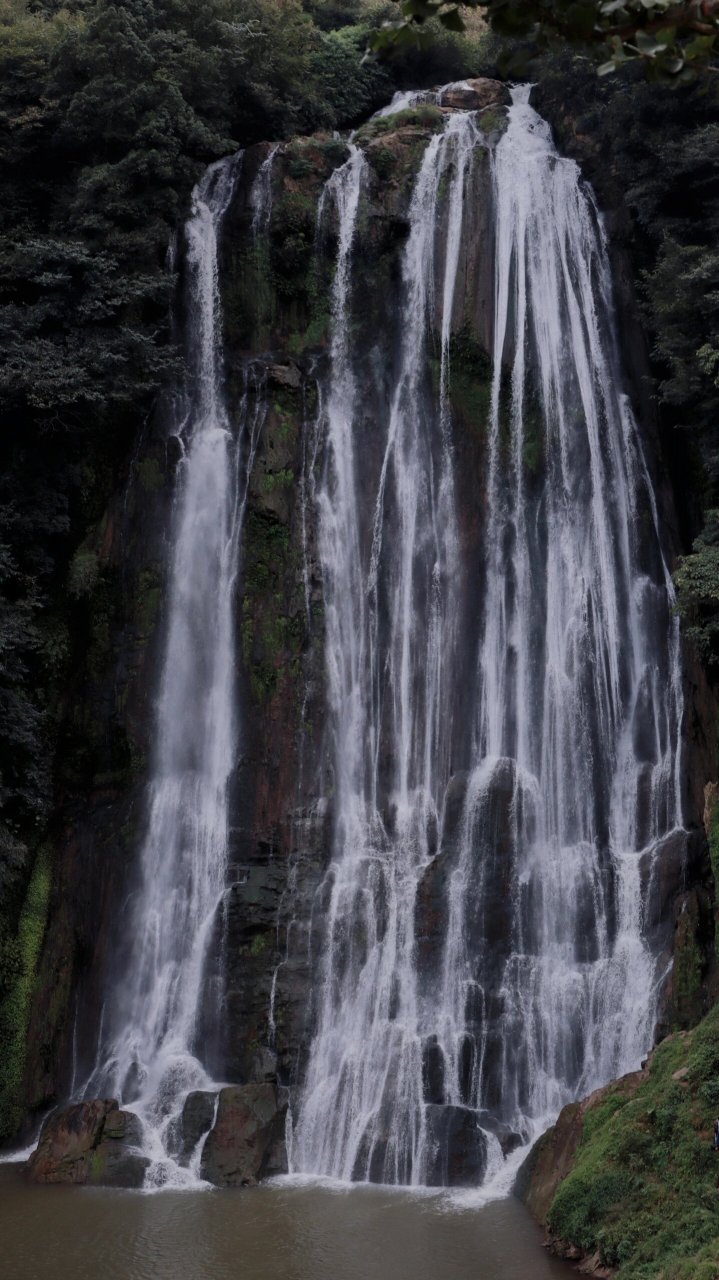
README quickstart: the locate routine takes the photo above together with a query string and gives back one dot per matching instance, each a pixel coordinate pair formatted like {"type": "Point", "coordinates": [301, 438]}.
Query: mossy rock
{"type": "Point", "coordinates": [425, 116]}
{"type": "Point", "coordinates": [642, 1190]}
{"type": "Point", "coordinates": [16, 1004]}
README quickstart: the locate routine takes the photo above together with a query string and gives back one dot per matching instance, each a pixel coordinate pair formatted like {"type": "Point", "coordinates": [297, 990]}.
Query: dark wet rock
{"type": "Point", "coordinates": [508, 1139]}
{"type": "Point", "coordinates": [118, 1160]}
{"type": "Point", "coordinates": [430, 916]}
{"type": "Point", "coordinates": [264, 1064]}
{"type": "Point", "coordinates": [285, 375]}
{"type": "Point", "coordinates": [241, 1147]}
{"type": "Point", "coordinates": [549, 1161]}
{"type": "Point", "coordinates": [67, 1140]}
{"type": "Point", "coordinates": [491, 827]}
{"type": "Point", "coordinates": [663, 872]}
{"type": "Point", "coordinates": [198, 1114]}
{"type": "Point", "coordinates": [457, 1147]}
{"type": "Point", "coordinates": [475, 95]}
{"type": "Point", "coordinates": [454, 798]}
{"type": "Point", "coordinates": [433, 1071]}
{"type": "Point", "coordinates": [90, 1144]}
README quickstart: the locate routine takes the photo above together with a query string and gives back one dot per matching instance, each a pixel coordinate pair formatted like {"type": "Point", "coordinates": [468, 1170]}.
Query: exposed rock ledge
{"type": "Point", "coordinates": [95, 1144]}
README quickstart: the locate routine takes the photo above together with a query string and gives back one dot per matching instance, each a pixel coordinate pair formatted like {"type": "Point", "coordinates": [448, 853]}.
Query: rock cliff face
{"type": "Point", "coordinates": [276, 273]}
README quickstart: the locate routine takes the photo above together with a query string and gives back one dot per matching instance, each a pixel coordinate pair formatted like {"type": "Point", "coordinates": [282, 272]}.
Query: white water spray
{"type": "Point", "coordinates": [153, 1053]}
{"type": "Point", "coordinates": [546, 984]}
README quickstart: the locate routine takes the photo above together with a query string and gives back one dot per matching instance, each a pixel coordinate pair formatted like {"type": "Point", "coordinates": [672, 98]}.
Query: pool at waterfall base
{"type": "Point", "coordinates": [289, 1229]}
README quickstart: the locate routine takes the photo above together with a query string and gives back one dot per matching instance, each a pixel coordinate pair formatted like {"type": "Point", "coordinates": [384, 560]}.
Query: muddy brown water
{"type": "Point", "coordinates": [276, 1232]}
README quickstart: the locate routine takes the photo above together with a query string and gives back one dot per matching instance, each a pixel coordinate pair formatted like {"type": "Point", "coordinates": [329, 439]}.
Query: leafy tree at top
{"type": "Point", "coordinates": [671, 38]}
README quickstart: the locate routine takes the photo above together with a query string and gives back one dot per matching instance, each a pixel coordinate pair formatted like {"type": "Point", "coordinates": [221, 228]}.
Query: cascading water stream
{"type": "Point", "coordinates": [580, 702]}
{"type": "Point", "coordinates": [153, 1055]}
{"type": "Point", "coordinates": [546, 984]}
{"type": "Point", "coordinates": [361, 1113]}
{"type": "Point", "coordinates": [261, 195]}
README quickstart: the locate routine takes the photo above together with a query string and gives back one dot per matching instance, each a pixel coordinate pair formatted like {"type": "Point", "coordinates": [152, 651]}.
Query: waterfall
{"type": "Point", "coordinates": [261, 195]}
{"type": "Point", "coordinates": [579, 705]}
{"type": "Point", "coordinates": [154, 1054]}
{"type": "Point", "coordinates": [534, 835]}
{"type": "Point", "coordinates": [361, 1114]}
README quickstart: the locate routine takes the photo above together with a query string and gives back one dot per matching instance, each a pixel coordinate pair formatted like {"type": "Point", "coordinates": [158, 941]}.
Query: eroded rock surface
{"type": "Point", "coordinates": [242, 1146]}
{"type": "Point", "coordinates": [89, 1144]}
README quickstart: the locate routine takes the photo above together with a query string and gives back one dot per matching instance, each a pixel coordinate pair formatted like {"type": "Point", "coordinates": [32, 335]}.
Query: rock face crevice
{"type": "Point", "coordinates": [276, 269]}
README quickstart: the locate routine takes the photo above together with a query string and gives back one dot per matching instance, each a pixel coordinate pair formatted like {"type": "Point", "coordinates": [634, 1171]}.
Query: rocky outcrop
{"type": "Point", "coordinates": [458, 1145]}
{"type": "Point", "coordinates": [627, 1177]}
{"type": "Point", "coordinates": [196, 1120]}
{"type": "Point", "coordinates": [552, 1157]}
{"type": "Point", "coordinates": [245, 1143]}
{"type": "Point", "coordinates": [475, 95]}
{"type": "Point", "coordinates": [90, 1144]}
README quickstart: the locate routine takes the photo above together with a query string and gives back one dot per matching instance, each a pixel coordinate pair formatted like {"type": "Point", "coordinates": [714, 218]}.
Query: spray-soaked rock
{"type": "Point", "coordinates": [456, 1147]}
{"type": "Point", "coordinates": [474, 95]}
{"type": "Point", "coordinates": [90, 1144]}
{"type": "Point", "coordinates": [198, 1114]}
{"type": "Point", "coordinates": [118, 1160]}
{"type": "Point", "coordinates": [240, 1147]}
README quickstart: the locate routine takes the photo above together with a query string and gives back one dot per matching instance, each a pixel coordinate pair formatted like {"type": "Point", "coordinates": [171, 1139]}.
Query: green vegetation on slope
{"type": "Point", "coordinates": [643, 1190]}
{"type": "Point", "coordinates": [19, 963]}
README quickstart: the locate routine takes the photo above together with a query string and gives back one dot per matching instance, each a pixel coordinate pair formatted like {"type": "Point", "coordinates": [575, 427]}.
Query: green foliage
{"type": "Point", "coordinates": [261, 943]}
{"type": "Point", "coordinates": [643, 1188]}
{"type": "Point", "coordinates": [714, 856]}
{"type": "Point", "coordinates": [292, 239]}
{"type": "Point", "coordinates": [84, 572]}
{"type": "Point", "coordinates": [22, 953]}
{"type": "Point", "coordinates": [684, 291]}
{"type": "Point", "coordinates": [672, 39]}
{"type": "Point", "coordinates": [353, 88]}
{"type": "Point", "coordinates": [697, 584]}
{"type": "Point", "coordinates": [424, 116]}
{"type": "Point", "coordinates": [266, 629]}
{"type": "Point", "coordinates": [688, 965]}
{"type": "Point", "coordinates": [274, 480]}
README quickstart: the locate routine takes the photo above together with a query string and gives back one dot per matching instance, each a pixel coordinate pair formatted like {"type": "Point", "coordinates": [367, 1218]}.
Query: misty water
{"type": "Point", "coordinates": [277, 1232]}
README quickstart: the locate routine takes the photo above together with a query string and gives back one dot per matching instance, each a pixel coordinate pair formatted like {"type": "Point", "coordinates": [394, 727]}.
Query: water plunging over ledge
{"type": "Point", "coordinates": [153, 1052]}
{"type": "Point", "coordinates": [536, 846]}
{"type": "Point", "coordinates": [503, 726]}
